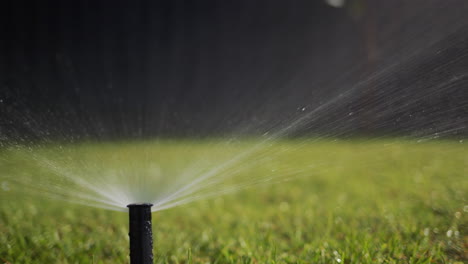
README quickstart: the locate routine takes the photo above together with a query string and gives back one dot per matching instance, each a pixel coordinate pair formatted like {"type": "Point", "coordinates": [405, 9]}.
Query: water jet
{"type": "Point", "coordinates": [140, 233]}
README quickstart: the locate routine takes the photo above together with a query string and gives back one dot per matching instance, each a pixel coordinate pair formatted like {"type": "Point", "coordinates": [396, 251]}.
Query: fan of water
{"type": "Point", "coordinates": [412, 83]}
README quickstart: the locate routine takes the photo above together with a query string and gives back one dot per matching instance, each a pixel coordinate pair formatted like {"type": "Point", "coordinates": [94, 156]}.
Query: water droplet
{"type": "Point", "coordinates": [1, 100]}
{"type": "Point", "coordinates": [336, 3]}
{"type": "Point", "coordinates": [449, 233]}
{"type": "Point", "coordinates": [351, 113]}
{"type": "Point", "coordinates": [303, 109]}
{"type": "Point", "coordinates": [5, 186]}
{"type": "Point", "coordinates": [338, 220]}
{"type": "Point", "coordinates": [426, 231]}
{"type": "Point", "coordinates": [465, 209]}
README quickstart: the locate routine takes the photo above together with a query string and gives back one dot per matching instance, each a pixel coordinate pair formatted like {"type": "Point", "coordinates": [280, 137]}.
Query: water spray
{"type": "Point", "coordinates": [141, 235]}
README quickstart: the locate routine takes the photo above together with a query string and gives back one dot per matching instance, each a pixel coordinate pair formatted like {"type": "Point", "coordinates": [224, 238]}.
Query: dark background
{"type": "Point", "coordinates": [124, 69]}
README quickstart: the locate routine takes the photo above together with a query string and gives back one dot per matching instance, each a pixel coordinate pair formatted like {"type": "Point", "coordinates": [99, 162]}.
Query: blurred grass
{"type": "Point", "coordinates": [387, 201]}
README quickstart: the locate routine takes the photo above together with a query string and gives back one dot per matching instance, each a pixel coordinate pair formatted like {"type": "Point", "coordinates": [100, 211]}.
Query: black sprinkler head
{"type": "Point", "coordinates": [141, 235]}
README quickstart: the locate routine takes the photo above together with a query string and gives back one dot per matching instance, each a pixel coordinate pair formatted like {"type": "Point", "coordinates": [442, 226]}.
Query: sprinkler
{"type": "Point", "coordinates": [141, 235]}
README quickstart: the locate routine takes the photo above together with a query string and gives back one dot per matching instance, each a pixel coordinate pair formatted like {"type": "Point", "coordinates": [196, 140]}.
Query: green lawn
{"type": "Point", "coordinates": [379, 201]}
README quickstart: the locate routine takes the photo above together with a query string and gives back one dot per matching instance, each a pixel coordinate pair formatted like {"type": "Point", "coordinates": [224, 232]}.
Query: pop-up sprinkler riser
{"type": "Point", "coordinates": [141, 235]}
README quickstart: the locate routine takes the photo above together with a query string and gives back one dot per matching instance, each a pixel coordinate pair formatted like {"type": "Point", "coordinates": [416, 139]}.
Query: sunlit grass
{"type": "Point", "coordinates": [387, 201]}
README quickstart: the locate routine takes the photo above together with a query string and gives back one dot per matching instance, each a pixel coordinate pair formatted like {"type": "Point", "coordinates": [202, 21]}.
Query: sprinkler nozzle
{"type": "Point", "coordinates": [141, 234]}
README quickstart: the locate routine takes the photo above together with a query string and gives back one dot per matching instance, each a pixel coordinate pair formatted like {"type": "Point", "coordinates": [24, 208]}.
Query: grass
{"type": "Point", "coordinates": [388, 201]}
